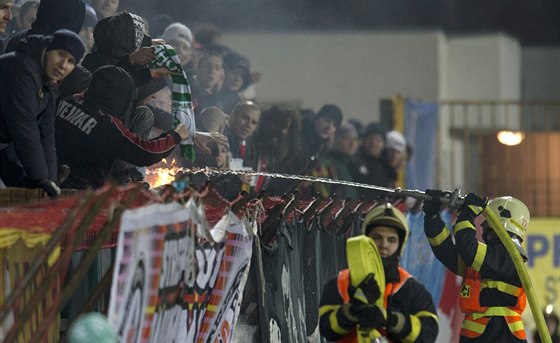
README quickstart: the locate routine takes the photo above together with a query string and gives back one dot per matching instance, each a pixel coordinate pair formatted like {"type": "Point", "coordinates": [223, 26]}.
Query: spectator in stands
{"type": "Point", "coordinates": [53, 15]}
{"type": "Point", "coordinates": [371, 161]}
{"type": "Point", "coordinates": [243, 121]}
{"type": "Point", "coordinates": [91, 136]}
{"type": "Point", "coordinates": [208, 81]}
{"type": "Point", "coordinates": [317, 136]}
{"type": "Point", "coordinates": [181, 39]}
{"type": "Point", "coordinates": [105, 8]}
{"type": "Point", "coordinates": [156, 98]}
{"type": "Point", "coordinates": [397, 151]}
{"type": "Point", "coordinates": [5, 18]}
{"type": "Point", "coordinates": [212, 119]}
{"type": "Point", "coordinates": [341, 159]}
{"type": "Point", "coordinates": [228, 186]}
{"type": "Point", "coordinates": [238, 78]}
{"type": "Point", "coordinates": [26, 17]}
{"type": "Point", "coordinates": [120, 41]}
{"type": "Point", "coordinates": [318, 132]}
{"type": "Point", "coordinates": [28, 87]}
{"type": "Point", "coordinates": [86, 32]}
{"type": "Point", "coordinates": [276, 145]}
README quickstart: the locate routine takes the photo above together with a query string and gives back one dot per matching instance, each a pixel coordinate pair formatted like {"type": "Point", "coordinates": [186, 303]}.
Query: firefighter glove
{"type": "Point", "coordinates": [372, 316]}
{"type": "Point", "coordinates": [367, 291]}
{"type": "Point", "coordinates": [432, 207]}
{"type": "Point", "coordinates": [473, 204]}
{"type": "Point", "coordinates": [395, 321]}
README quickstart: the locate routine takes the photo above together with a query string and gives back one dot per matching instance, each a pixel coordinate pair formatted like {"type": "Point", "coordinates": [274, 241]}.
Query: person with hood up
{"type": "Point", "coordinates": [91, 136]}
{"type": "Point", "coordinates": [53, 15]}
{"type": "Point", "coordinates": [120, 40]}
{"type": "Point", "coordinates": [28, 85]}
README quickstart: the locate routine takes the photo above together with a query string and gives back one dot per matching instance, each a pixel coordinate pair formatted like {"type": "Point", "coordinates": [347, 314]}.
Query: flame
{"type": "Point", "coordinates": [162, 173]}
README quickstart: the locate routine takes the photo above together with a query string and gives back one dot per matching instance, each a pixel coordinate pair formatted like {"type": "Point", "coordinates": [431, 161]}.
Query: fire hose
{"type": "Point", "coordinates": [451, 199]}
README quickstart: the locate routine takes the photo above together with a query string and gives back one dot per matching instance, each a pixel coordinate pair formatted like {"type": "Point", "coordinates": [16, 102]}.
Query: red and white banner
{"type": "Point", "coordinates": [171, 285]}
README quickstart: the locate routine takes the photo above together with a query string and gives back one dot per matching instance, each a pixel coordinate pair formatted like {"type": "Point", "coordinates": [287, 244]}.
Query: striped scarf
{"type": "Point", "coordinates": [182, 108]}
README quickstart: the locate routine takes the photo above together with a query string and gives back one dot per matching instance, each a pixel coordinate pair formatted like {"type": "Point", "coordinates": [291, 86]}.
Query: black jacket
{"type": "Point", "coordinates": [497, 266]}
{"type": "Point", "coordinates": [411, 299]}
{"type": "Point", "coordinates": [114, 41]}
{"type": "Point", "coordinates": [90, 137]}
{"type": "Point", "coordinates": [53, 15]}
{"type": "Point", "coordinates": [27, 108]}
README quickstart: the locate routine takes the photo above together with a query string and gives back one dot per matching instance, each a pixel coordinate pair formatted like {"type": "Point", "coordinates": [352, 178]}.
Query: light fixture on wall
{"type": "Point", "coordinates": [510, 138]}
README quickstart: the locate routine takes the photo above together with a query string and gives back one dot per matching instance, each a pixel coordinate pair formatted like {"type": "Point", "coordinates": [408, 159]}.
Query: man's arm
{"type": "Point", "coordinates": [19, 103]}
{"type": "Point", "coordinates": [488, 260]}
{"type": "Point", "coordinates": [133, 149]}
{"type": "Point", "coordinates": [416, 321]}
{"type": "Point", "coordinates": [335, 319]}
{"type": "Point", "coordinates": [46, 128]}
{"type": "Point", "coordinates": [441, 242]}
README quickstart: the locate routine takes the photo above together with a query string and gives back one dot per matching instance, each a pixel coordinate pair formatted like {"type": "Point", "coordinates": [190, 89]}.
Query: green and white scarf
{"type": "Point", "coordinates": [181, 108]}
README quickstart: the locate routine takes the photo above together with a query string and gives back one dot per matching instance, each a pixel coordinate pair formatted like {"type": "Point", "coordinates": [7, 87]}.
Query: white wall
{"type": "Point", "coordinates": [352, 70]}
{"type": "Point", "coordinates": [484, 67]}
{"type": "Point", "coordinates": [540, 73]}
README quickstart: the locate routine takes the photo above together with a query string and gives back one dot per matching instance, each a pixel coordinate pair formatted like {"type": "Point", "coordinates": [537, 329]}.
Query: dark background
{"type": "Point", "coordinates": [533, 22]}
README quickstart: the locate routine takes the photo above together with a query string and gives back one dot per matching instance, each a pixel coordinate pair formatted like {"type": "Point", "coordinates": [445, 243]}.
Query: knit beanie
{"type": "Point", "coordinates": [67, 40]}
{"type": "Point", "coordinates": [178, 32]}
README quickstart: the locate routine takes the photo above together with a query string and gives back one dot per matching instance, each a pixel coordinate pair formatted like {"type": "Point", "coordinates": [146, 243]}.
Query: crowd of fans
{"type": "Point", "coordinates": [112, 112]}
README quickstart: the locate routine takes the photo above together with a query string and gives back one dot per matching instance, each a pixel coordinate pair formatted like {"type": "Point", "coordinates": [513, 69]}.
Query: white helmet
{"type": "Point", "coordinates": [514, 216]}
{"type": "Point", "coordinates": [512, 213]}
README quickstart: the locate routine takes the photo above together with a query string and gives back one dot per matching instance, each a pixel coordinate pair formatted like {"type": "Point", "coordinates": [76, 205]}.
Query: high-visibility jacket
{"type": "Point", "coordinates": [390, 289]}
{"type": "Point", "coordinates": [414, 300]}
{"type": "Point", "coordinates": [477, 316]}
{"type": "Point", "coordinates": [491, 296]}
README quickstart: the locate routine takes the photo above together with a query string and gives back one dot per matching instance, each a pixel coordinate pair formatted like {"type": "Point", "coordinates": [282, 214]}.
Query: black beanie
{"type": "Point", "coordinates": [67, 40]}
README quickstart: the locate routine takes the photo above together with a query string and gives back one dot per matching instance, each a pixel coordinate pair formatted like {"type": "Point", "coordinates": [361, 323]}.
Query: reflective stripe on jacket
{"type": "Point", "coordinates": [477, 316]}
{"type": "Point", "coordinates": [390, 289]}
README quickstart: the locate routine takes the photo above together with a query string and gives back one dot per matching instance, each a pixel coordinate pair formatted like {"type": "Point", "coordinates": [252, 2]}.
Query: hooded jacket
{"type": "Point", "coordinates": [116, 38]}
{"type": "Point", "coordinates": [53, 15]}
{"type": "Point", "coordinates": [90, 135]}
{"type": "Point", "coordinates": [27, 108]}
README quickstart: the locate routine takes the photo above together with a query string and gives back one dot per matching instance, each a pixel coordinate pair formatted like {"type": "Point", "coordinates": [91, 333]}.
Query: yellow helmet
{"type": "Point", "coordinates": [387, 215]}
{"type": "Point", "coordinates": [512, 213]}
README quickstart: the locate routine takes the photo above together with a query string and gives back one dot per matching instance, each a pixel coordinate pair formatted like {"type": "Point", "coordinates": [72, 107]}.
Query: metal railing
{"type": "Point", "coordinates": [470, 157]}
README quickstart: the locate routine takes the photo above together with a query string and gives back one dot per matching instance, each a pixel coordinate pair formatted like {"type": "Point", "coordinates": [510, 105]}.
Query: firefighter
{"type": "Point", "coordinates": [408, 314]}
{"type": "Point", "coordinates": [492, 296]}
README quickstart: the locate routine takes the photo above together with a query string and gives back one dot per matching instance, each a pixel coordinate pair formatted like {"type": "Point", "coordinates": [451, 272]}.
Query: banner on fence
{"type": "Point", "coordinates": [169, 284]}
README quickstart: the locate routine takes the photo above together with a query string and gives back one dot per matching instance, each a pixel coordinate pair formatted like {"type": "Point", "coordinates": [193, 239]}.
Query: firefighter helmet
{"type": "Point", "coordinates": [512, 213]}
{"type": "Point", "coordinates": [387, 215]}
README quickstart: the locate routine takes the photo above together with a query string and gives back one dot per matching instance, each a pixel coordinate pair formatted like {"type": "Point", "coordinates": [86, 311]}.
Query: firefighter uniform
{"type": "Point", "coordinates": [491, 295]}
{"type": "Point", "coordinates": [407, 305]}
